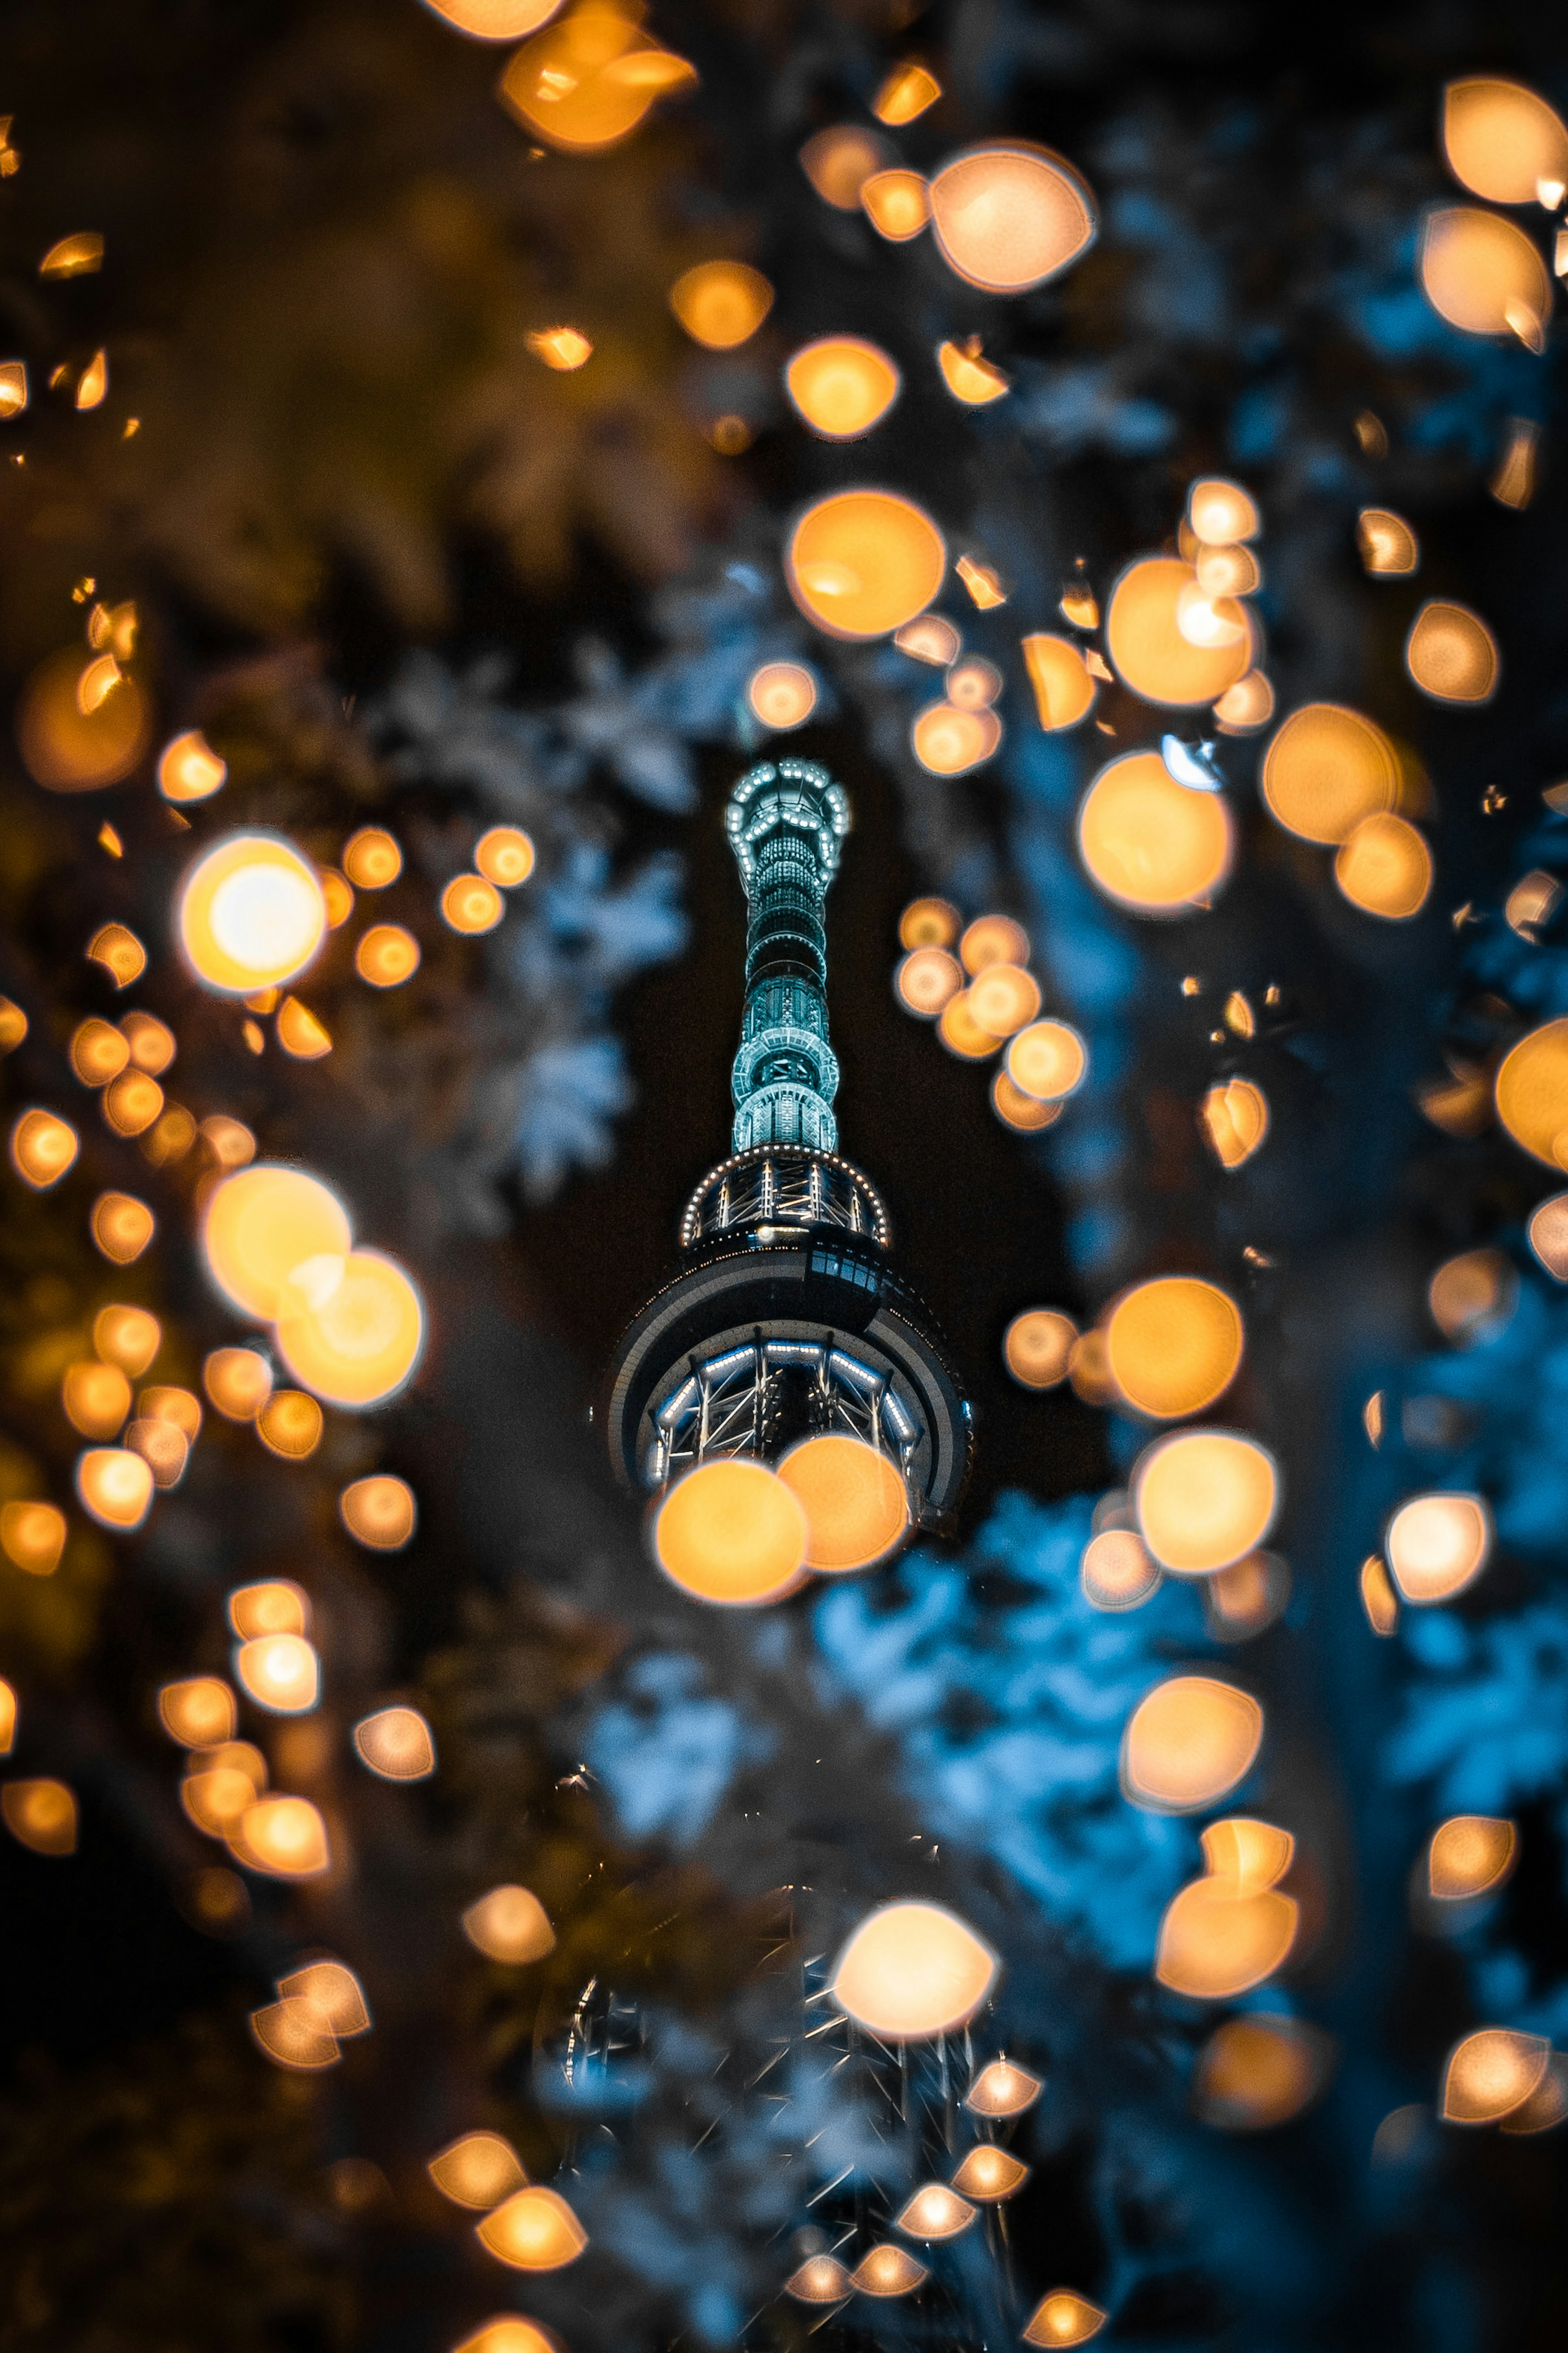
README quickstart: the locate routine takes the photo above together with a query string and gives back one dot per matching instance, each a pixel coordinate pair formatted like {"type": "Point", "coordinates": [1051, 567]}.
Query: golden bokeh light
{"type": "Point", "coordinates": [862, 562]}
{"type": "Point", "coordinates": [1245, 1599]}
{"type": "Point", "coordinates": [293, 2035]}
{"type": "Point", "coordinates": [284, 1837]}
{"type": "Point", "coordinates": [1548, 1235]}
{"type": "Point", "coordinates": [504, 856]}
{"type": "Point", "coordinates": [897, 203]}
{"type": "Point", "coordinates": [1473, 1296]}
{"type": "Point", "coordinates": [98, 1052]}
{"type": "Point", "coordinates": [1437, 1544]}
{"type": "Point", "coordinates": [969, 375]}
{"type": "Point", "coordinates": [508, 2334]}
{"type": "Point", "coordinates": [121, 1227]}
{"type": "Point", "coordinates": [1064, 2317]}
{"type": "Point", "coordinates": [189, 769]}
{"type": "Point", "coordinates": [1256, 2072]}
{"type": "Point", "coordinates": [990, 2174]}
{"type": "Point", "coordinates": [96, 1398]}
{"type": "Point", "coordinates": [387, 956]}
{"type": "Point", "coordinates": [372, 857]}
{"type": "Point", "coordinates": [1220, 513]}
{"type": "Point", "coordinates": [289, 1425]}
{"type": "Point", "coordinates": [855, 1505]}
{"type": "Point", "coordinates": [79, 733]}
{"type": "Point", "coordinates": [1204, 1498]}
{"type": "Point", "coordinates": [534, 2230]}
{"type": "Point", "coordinates": [1063, 690]}
{"type": "Point", "coordinates": [1218, 1939]}
{"type": "Point", "coordinates": [1531, 1091]}
{"type": "Point", "coordinates": [333, 1993]}
{"type": "Point", "coordinates": [821, 2279]}
{"type": "Point", "coordinates": [151, 1042]}
{"type": "Point", "coordinates": [127, 1336]}
{"type": "Point", "coordinates": [1228, 571]}
{"type": "Point", "coordinates": [220, 1783]}
{"type": "Point", "coordinates": [1234, 1115]}
{"type": "Point", "coordinates": [1452, 655]}
{"type": "Point", "coordinates": [731, 1532]}
{"type": "Point", "coordinates": [1513, 479]}
{"type": "Point", "coordinates": [395, 1743]}
{"type": "Point", "coordinates": [299, 1033]}
{"type": "Point", "coordinates": [886, 2270]}
{"type": "Point", "coordinates": [1010, 215]}
{"type": "Point", "coordinates": [379, 1512]}
{"type": "Point", "coordinates": [1470, 1855]}
{"type": "Point", "coordinates": [929, 923]}
{"type": "Point", "coordinates": [588, 79]}
{"type": "Point", "coordinates": [1117, 1570]}
{"type": "Point", "coordinates": [163, 1447]}
{"type": "Point", "coordinates": [469, 903]}
{"type": "Point", "coordinates": [962, 1034]}
{"type": "Point", "coordinates": [495, 20]}
{"type": "Point", "coordinates": [1326, 769]}
{"type": "Point", "coordinates": [13, 1025]}
{"type": "Point", "coordinates": [913, 1970]}
{"type": "Point", "coordinates": [1003, 2089]}
{"type": "Point", "coordinates": [1386, 541]}
{"type": "Point", "coordinates": [41, 1815]}
{"type": "Point", "coordinates": [230, 1141]}
{"type": "Point", "coordinates": [721, 304]}
{"type": "Point", "coordinates": [992, 939]}
{"type": "Point", "coordinates": [263, 1222]}
{"type": "Point", "coordinates": [1174, 1345]}
{"type": "Point", "coordinates": [929, 639]}
{"type": "Point", "coordinates": [1089, 1370]}
{"type": "Point", "coordinates": [1484, 275]}
{"type": "Point", "coordinates": [281, 1671]}
{"type": "Point", "coordinates": [839, 160]}
{"type": "Point", "coordinates": [239, 1382]}
{"type": "Point", "coordinates": [479, 2169]}
{"type": "Point", "coordinates": [250, 913]}
{"type": "Point", "coordinates": [1502, 140]}
{"type": "Point", "coordinates": [564, 349]}
{"type": "Point", "coordinates": [934, 2211]}
{"type": "Point", "coordinates": [982, 581]}
{"type": "Point", "coordinates": [842, 386]}
{"type": "Point", "coordinates": [114, 1485]}
{"type": "Point", "coordinates": [907, 92]}
{"type": "Point", "coordinates": [1158, 657]}
{"type": "Point", "coordinates": [33, 1536]}
{"type": "Point", "coordinates": [974, 684]}
{"type": "Point", "coordinates": [199, 1713]}
{"type": "Point", "coordinates": [1015, 1109]}
{"type": "Point", "coordinates": [1491, 2074]}
{"type": "Point", "coordinates": [1378, 1598]}
{"type": "Point", "coordinates": [77, 255]}
{"type": "Point", "coordinates": [1004, 998]}
{"type": "Point", "coordinates": [7, 1718]}
{"type": "Point", "coordinates": [43, 1147]}
{"type": "Point", "coordinates": [119, 951]}
{"type": "Point", "coordinates": [351, 1327]}
{"type": "Point", "coordinates": [1547, 2105]}
{"type": "Point", "coordinates": [131, 1102]}
{"type": "Point", "coordinates": [13, 387]}
{"type": "Point", "coordinates": [1245, 707]}
{"type": "Point", "coordinates": [1188, 1744]}
{"type": "Point", "coordinates": [1036, 1345]}
{"type": "Point", "coordinates": [279, 1606]}
{"type": "Point", "coordinates": [509, 1923]}
{"type": "Point", "coordinates": [1150, 843]}
{"type": "Point", "coordinates": [782, 695]}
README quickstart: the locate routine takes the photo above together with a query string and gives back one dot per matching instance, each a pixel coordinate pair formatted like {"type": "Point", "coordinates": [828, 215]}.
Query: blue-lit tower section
{"type": "Point", "coordinates": [786, 1314]}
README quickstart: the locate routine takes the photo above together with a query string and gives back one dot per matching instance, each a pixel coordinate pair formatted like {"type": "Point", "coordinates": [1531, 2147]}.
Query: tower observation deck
{"type": "Point", "coordinates": [786, 1315]}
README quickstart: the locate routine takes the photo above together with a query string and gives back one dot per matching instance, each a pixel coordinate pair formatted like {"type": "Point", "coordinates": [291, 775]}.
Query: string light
{"type": "Point", "coordinates": [1064, 2317]}
{"type": "Point", "coordinates": [934, 2211]}
{"type": "Point", "coordinates": [889, 2271]}
{"type": "Point", "coordinates": [1003, 2089]}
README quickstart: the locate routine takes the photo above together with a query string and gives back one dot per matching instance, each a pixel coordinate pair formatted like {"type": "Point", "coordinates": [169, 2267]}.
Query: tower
{"type": "Point", "coordinates": [786, 1315]}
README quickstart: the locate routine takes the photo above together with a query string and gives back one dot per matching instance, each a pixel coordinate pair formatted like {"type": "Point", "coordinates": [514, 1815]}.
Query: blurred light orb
{"type": "Point", "coordinates": [77, 743]}
{"type": "Point", "coordinates": [163, 1446]}
{"type": "Point", "coordinates": [189, 769]}
{"type": "Point", "coordinates": [1386, 541]}
{"type": "Point", "coordinates": [42, 1148]}
{"type": "Point", "coordinates": [1473, 1296]}
{"type": "Point", "coordinates": [119, 951]}
{"type": "Point", "coordinates": [293, 2035]}
{"type": "Point", "coordinates": [33, 1536]}
{"type": "Point", "coordinates": [1048, 1059]}
{"type": "Point", "coordinates": [1004, 998]}
{"type": "Point", "coordinates": [992, 939]}
{"type": "Point", "coordinates": [1209, 621]}
{"type": "Point", "coordinates": [721, 304]}
{"type": "Point", "coordinates": [782, 695]}
{"type": "Point", "coordinates": [479, 2169]}
{"type": "Point", "coordinates": [856, 1504]}
{"type": "Point", "coordinates": [510, 1924]}
{"type": "Point", "coordinates": [495, 20]}
{"type": "Point", "coordinates": [96, 1398]}
{"type": "Point", "coordinates": [98, 1052]}
{"type": "Point", "coordinates": [1064, 2317]}
{"type": "Point", "coordinates": [1245, 1599]}
{"type": "Point", "coordinates": [974, 684]}
{"type": "Point", "coordinates": [372, 857]}
{"type": "Point", "coordinates": [1159, 658]}
{"type": "Point", "coordinates": [1469, 1855]}
{"type": "Point", "coordinates": [925, 981]}
{"type": "Point", "coordinates": [1228, 571]}
{"type": "Point", "coordinates": [1548, 1235]}
{"type": "Point", "coordinates": [1117, 1570]}
{"type": "Point", "coordinates": [560, 348]}
{"type": "Point", "coordinates": [1188, 1743]}
{"type": "Point", "coordinates": [1089, 1370]}
{"type": "Point", "coordinates": [969, 376]}
{"type": "Point", "coordinates": [114, 1485]}
{"type": "Point", "coordinates": [379, 1512]}
{"type": "Point", "coordinates": [839, 160]}
{"type": "Point", "coordinates": [1063, 690]}
{"type": "Point", "coordinates": [1451, 654]}
{"type": "Point", "coordinates": [1256, 2072]}
{"type": "Point", "coordinates": [131, 1102]}
{"type": "Point", "coordinates": [1234, 1115]}
{"type": "Point", "coordinates": [1204, 1498]}
{"type": "Point", "coordinates": [732, 1532]}
{"type": "Point", "coordinates": [281, 1671]}
{"type": "Point", "coordinates": [1484, 275]}
{"type": "Point", "coordinates": [250, 913]}
{"type": "Point", "coordinates": [1245, 707]}
{"type": "Point", "coordinates": [1532, 1090]}
{"type": "Point", "coordinates": [284, 1837]}
{"type": "Point", "coordinates": [862, 562]}
{"type": "Point", "coordinates": [1003, 2089]}
{"type": "Point", "coordinates": [1150, 844]}
{"type": "Point", "coordinates": [289, 1425]}
{"type": "Point", "coordinates": [821, 2279]}
{"type": "Point", "coordinates": [263, 1222]}
{"type": "Point", "coordinates": [1016, 1110]}
{"type": "Point", "coordinates": [913, 1970]}
{"type": "Point", "coordinates": [982, 581]}
{"type": "Point", "coordinates": [333, 1993]}
{"type": "Point", "coordinates": [1513, 482]}
{"type": "Point", "coordinates": [886, 2270]}
{"type": "Point", "coordinates": [504, 856]}
{"type": "Point", "coordinates": [1215, 1943]}
{"type": "Point", "coordinates": [1326, 769]}
{"type": "Point", "coordinates": [533, 2231]}
{"type": "Point", "coordinates": [934, 2211]}
{"type": "Point", "coordinates": [396, 1744]}
{"type": "Point", "coordinates": [1437, 1544]}
{"type": "Point", "coordinates": [1221, 513]}
{"type": "Point", "coordinates": [276, 1607]}
{"type": "Point", "coordinates": [929, 923]}
{"type": "Point", "coordinates": [387, 955]}
{"type": "Point", "coordinates": [1378, 1598]}
{"type": "Point", "coordinates": [1174, 1344]}
{"type": "Point", "coordinates": [1489, 2074]}
{"type": "Point", "coordinates": [907, 92]}
{"type": "Point", "coordinates": [7, 1718]}
{"type": "Point", "coordinates": [13, 1025]}
{"type": "Point", "coordinates": [962, 1034]}
{"type": "Point", "coordinates": [586, 80]}
{"type": "Point", "coordinates": [990, 2174]}
{"type": "Point", "coordinates": [351, 1327]}
{"type": "Point", "coordinates": [127, 1336]}
{"type": "Point", "coordinates": [469, 903]}
{"type": "Point", "coordinates": [929, 639]}
{"type": "Point", "coordinates": [842, 386]}
{"type": "Point", "coordinates": [1036, 1345]}
{"type": "Point", "coordinates": [510, 2334]}
{"type": "Point", "coordinates": [897, 203]}
{"type": "Point", "coordinates": [41, 1815]}
{"type": "Point", "coordinates": [198, 1712]}
{"type": "Point", "coordinates": [1501, 140]}
{"type": "Point", "coordinates": [238, 1381]}
{"type": "Point", "coordinates": [299, 1033]}
{"type": "Point", "coordinates": [1011, 215]}
{"type": "Point", "coordinates": [151, 1042]}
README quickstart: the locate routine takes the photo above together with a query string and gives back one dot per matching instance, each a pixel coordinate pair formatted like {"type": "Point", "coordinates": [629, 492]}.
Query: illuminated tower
{"type": "Point", "coordinates": [786, 1315]}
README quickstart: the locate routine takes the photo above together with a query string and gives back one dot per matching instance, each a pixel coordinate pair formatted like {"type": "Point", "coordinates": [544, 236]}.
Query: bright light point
{"type": "Point", "coordinates": [912, 1971]}
{"type": "Point", "coordinates": [469, 903]}
{"type": "Point", "coordinates": [782, 695]}
{"type": "Point", "coordinates": [1048, 1061]}
{"type": "Point", "coordinates": [251, 914]}
{"type": "Point", "coordinates": [1203, 1499]}
{"type": "Point", "coordinates": [842, 386]}
{"type": "Point", "coordinates": [263, 1222]}
{"type": "Point", "coordinates": [115, 1486]}
{"type": "Point", "coordinates": [857, 1508]}
{"type": "Point", "coordinates": [533, 2231]}
{"type": "Point", "coordinates": [886, 2270]}
{"type": "Point", "coordinates": [1491, 2074]}
{"type": "Point", "coordinates": [1149, 648]}
{"type": "Point", "coordinates": [1174, 1345]}
{"type": "Point", "coordinates": [479, 2170]}
{"type": "Point", "coordinates": [281, 1671]}
{"type": "Point", "coordinates": [189, 769]}
{"type": "Point", "coordinates": [1003, 2089]}
{"type": "Point", "coordinates": [732, 1532]}
{"type": "Point", "coordinates": [935, 2212]}
{"type": "Point", "coordinates": [284, 1837]}
{"type": "Point", "coordinates": [897, 203]}
{"type": "Point", "coordinates": [42, 1148]}
{"type": "Point", "coordinates": [862, 562]}
{"type": "Point", "coordinates": [1149, 843]}
{"type": "Point", "coordinates": [510, 1924]}
{"type": "Point", "coordinates": [990, 2174]}
{"type": "Point", "coordinates": [504, 856]}
{"type": "Point", "coordinates": [379, 1512]}
{"type": "Point", "coordinates": [1470, 1855]}
{"type": "Point", "coordinates": [395, 1743]}
{"type": "Point", "coordinates": [1009, 216]}
{"type": "Point", "coordinates": [1064, 2318]}
{"type": "Point", "coordinates": [1437, 1544]}
{"type": "Point", "coordinates": [1188, 1744]}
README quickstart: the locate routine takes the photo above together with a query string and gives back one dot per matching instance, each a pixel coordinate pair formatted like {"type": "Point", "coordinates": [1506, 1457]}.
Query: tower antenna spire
{"type": "Point", "coordinates": [786, 823]}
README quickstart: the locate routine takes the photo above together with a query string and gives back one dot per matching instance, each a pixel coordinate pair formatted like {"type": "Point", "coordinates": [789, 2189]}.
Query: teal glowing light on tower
{"type": "Point", "coordinates": [786, 1316]}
